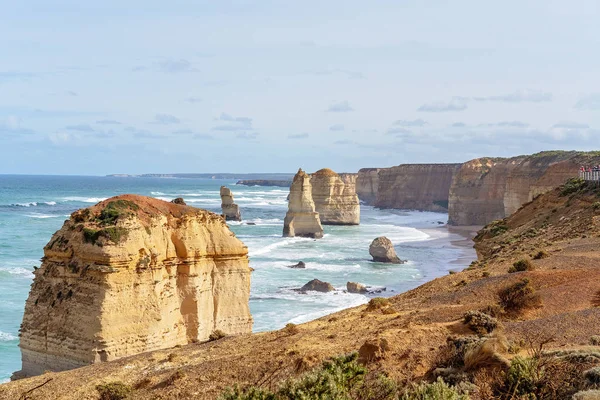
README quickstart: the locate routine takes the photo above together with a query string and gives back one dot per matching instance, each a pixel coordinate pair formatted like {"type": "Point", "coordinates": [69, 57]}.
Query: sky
{"type": "Point", "coordinates": [90, 87]}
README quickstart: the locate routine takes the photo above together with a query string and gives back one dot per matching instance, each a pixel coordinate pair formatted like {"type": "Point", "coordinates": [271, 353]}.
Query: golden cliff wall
{"type": "Point", "coordinates": [335, 197]}
{"type": "Point", "coordinates": [422, 187]}
{"type": "Point", "coordinates": [367, 185]}
{"type": "Point", "coordinates": [129, 275]}
{"type": "Point", "coordinates": [486, 189]}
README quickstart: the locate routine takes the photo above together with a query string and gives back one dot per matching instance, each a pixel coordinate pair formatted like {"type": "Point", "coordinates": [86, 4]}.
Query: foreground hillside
{"type": "Point", "coordinates": [535, 334]}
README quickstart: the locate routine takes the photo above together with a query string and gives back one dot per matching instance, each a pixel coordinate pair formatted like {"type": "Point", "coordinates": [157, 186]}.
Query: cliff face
{"type": "Point", "coordinates": [422, 187]}
{"type": "Point", "coordinates": [231, 211]}
{"type": "Point", "coordinates": [487, 189]}
{"type": "Point", "coordinates": [367, 185]}
{"type": "Point", "coordinates": [335, 198]}
{"type": "Point", "coordinates": [301, 218]}
{"type": "Point", "coordinates": [129, 275]}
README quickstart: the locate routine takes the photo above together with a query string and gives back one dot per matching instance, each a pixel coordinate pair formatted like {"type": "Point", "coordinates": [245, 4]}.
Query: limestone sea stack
{"type": "Point", "coordinates": [382, 250]}
{"type": "Point", "coordinates": [130, 275]}
{"type": "Point", "coordinates": [301, 218]}
{"type": "Point", "coordinates": [335, 198]}
{"type": "Point", "coordinates": [231, 211]}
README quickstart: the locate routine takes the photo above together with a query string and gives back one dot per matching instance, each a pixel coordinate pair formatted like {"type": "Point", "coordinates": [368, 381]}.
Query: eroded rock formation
{"type": "Point", "coordinates": [382, 250]}
{"type": "Point", "coordinates": [129, 275]}
{"type": "Point", "coordinates": [355, 287]}
{"type": "Point", "coordinates": [301, 218]}
{"type": "Point", "coordinates": [335, 197]}
{"type": "Point", "coordinates": [317, 286]}
{"type": "Point", "coordinates": [231, 211]}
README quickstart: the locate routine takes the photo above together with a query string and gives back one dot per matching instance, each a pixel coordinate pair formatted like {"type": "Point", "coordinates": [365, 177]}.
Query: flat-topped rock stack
{"type": "Point", "coordinates": [231, 211]}
{"type": "Point", "coordinates": [301, 218]}
{"type": "Point", "coordinates": [335, 197]}
{"type": "Point", "coordinates": [130, 275]}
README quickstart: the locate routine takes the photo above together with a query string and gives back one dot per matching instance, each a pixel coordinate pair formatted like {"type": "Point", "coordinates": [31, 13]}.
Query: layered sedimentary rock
{"type": "Point", "coordinates": [486, 189]}
{"type": "Point", "coordinates": [367, 185]}
{"type": "Point", "coordinates": [129, 275]}
{"type": "Point", "coordinates": [335, 197]}
{"type": "Point", "coordinates": [231, 211]}
{"type": "Point", "coordinates": [301, 218]}
{"type": "Point", "coordinates": [422, 187]}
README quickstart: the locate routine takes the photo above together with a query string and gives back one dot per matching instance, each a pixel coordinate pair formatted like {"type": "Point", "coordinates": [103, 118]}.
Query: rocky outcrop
{"type": "Point", "coordinates": [317, 286]}
{"type": "Point", "coordinates": [382, 250]}
{"type": "Point", "coordinates": [301, 218]}
{"type": "Point", "coordinates": [486, 189]}
{"type": "Point", "coordinates": [354, 287]}
{"type": "Point", "coordinates": [335, 197]}
{"type": "Point", "coordinates": [423, 187]}
{"type": "Point", "coordinates": [231, 211]}
{"type": "Point", "coordinates": [264, 182]}
{"type": "Point", "coordinates": [299, 265]}
{"type": "Point", "coordinates": [178, 200]}
{"type": "Point", "coordinates": [129, 275]}
{"type": "Point", "coordinates": [367, 185]}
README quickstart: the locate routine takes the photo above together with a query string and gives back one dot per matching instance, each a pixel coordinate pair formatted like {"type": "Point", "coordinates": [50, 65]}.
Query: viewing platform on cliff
{"type": "Point", "coordinates": [590, 174]}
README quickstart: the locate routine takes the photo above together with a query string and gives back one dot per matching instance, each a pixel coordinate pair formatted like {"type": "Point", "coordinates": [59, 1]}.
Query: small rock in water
{"type": "Point", "coordinates": [354, 287]}
{"type": "Point", "coordinates": [299, 265]}
{"type": "Point", "coordinates": [250, 223]}
{"type": "Point", "coordinates": [318, 286]}
{"type": "Point", "coordinates": [382, 250]}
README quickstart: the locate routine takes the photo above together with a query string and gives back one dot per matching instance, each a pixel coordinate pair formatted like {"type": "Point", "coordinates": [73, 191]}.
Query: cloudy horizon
{"type": "Point", "coordinates": [270, 86]}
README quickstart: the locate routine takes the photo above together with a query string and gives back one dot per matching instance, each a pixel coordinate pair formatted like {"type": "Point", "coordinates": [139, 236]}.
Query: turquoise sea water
{"type": "Point", "coordinates": [32, 208]}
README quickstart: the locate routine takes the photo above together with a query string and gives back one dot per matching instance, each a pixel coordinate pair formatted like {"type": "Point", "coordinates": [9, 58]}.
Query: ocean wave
{"type": "Point", "coordinates": [18, 271]}
{"type": "Point", "coordinates": [7, 337]}
{"type": "Point", "coordinates": [269, 248]}
{"type": "Point", "coordinates": [41, 216]}
{"type": "Point", "coordinates": [81, 199]}
{"type": "Point", "coordinates": [157, 193]}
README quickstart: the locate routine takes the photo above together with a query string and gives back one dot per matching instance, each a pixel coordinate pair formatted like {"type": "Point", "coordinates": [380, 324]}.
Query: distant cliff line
{"type": "Point", "coordinates": [475, 192]}
{"type": "Point", "coordinates": [283, 176]}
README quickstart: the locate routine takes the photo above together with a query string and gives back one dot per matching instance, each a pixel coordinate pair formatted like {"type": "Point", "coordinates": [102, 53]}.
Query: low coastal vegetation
{"type": "Point", "coordinates": [521, 265]}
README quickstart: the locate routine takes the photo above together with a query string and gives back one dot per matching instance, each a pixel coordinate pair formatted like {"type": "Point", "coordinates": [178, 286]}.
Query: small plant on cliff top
{"type": "Point", "coordinates": [114, 391]}
{"type": "Point", "coordinates": [216, 335]}
{"type": "Point", "coordinates": [480, 322]}
{"type": "Point", "coordinates": [116, 209]}
{"type": "Point", "coordinates": [573, 185]}
{"type": "Point", "coordinates": [291, 329]}
{"type": "Point", "coordinates": [540, 255]}
{"type": "Point", "coordinates": [438, 390]}
{"type": "Point", "coordinates": [519, 296]}
{"type": "Point", "coordinates": [521, 265]}
{"type": "Point", "coordinates": [377, 303]}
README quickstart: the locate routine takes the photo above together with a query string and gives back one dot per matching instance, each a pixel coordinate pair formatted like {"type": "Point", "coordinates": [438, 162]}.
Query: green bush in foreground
{"type": "Point", "coordinates": [114, 391]}
{"type": "Point", "coordinates": [521, 265]}
{"type": "Point", "coordinates": [342, 378]}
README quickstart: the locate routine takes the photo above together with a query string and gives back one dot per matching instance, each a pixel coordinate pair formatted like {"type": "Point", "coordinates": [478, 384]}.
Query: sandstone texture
{"type": "Point", "coordinates": [423, 187]}
{"type": "Point", "coordinates": [382, 250]}
{"type": "Point", "coordinates": [367, 185]}
{"type": "Point", "coordinates": [354, 287]}
{"type": "Point", "coordinates": [130, 275]}
{"type": "Point", "coordinates": [335, 197]}
{"type": "Point", "coordinates": [231, 211]}
{"type": "Point", "coordinates": [301, 218]}
{"type": "Point", "coordinates": [318, 286]}
{"type": "Point", "coordinates": [486, 189]}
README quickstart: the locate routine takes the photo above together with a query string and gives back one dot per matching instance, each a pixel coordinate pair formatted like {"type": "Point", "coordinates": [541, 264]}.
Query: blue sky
{"type": "Point", "coordinates": [254, 86]}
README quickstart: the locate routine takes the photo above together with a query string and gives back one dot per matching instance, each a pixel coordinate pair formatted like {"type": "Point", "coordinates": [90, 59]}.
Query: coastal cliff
{"type": "Point", "coordinates": [423, 187]}
{"type": "Point", "coordinates": [367, 185]}
{"type": "Point", "coordinates": [130, 275]}
{"type": "Point", "coordinates": [335, 197]}
{"type": "Point", "coordinates": [301, 218]}
{"type": "Point", "coordinates": [486, 189]}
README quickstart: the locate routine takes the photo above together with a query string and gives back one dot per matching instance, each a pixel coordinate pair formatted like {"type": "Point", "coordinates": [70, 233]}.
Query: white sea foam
{"type": "Point", "coordinates": [157, 193]}
{"type": "Point", "coordinates": [18, 271]}
{"type": "Point", "coordinates": [269, 248]}
{"type": "Point", "coordinates": [30, 204]}
{"type": "Point", "coordinates": [7, 337]}
{"type": "Point", "coordinates": [41, 216]}
{"type": "Point", "coordinates": [82, 199]}
{"type": "Point", "coordinates": [50, 203]}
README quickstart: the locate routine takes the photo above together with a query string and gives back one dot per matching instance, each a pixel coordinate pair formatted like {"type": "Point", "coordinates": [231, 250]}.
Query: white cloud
{"type": "Point", "coordinates": [520, 96]}
{"type": "Point", "coordinates": [336, 127]}
{"type": "Point", "coordinates": [342, 106]}
{"type": "Point", "coordinates": [165, 119]}
{"type": "Point", "coordinates": [441, 106]}
{"type": "Point", "coordinates": [589, 103]}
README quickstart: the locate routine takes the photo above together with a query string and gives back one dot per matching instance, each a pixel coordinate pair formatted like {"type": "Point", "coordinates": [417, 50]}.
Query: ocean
{"type": "Point", "coordinates": [32, 208]}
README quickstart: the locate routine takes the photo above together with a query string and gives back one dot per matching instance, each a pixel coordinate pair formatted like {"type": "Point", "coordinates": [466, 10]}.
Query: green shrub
{"type": "Point", "coordinates": [291, 329]}
{"type": "Point", "coordinates": [377, 303]}
{"type": "Point", "coordinates": [216, 335]}
{"type": "Point", "coordinates": [115, 210]}
{"type": "Point", "coordinates": [519, 296]}
{"type": "Point", "coordinates": [521, 265]}
{"type": "Point", "coordinates": [573, 185]}
{"type": "Point", "coordinates": [524, 375]}
{"type": "Point", "coordinates": [479, 322]}
{"type": "Point", "coordinates": [540, 254]}
{"type": "Point", "coordinates": [91, 235]}
{"type": "Point", "coordinates": [498, 227]}
{"type": "Point", "coordinates": [114, 391]}
{"type": "Point", "coordinates": [115, 233]}
{"type": "Point", "coordinates": [252, 393]}
{"type": "Point", "coordinates": [437, 390]}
